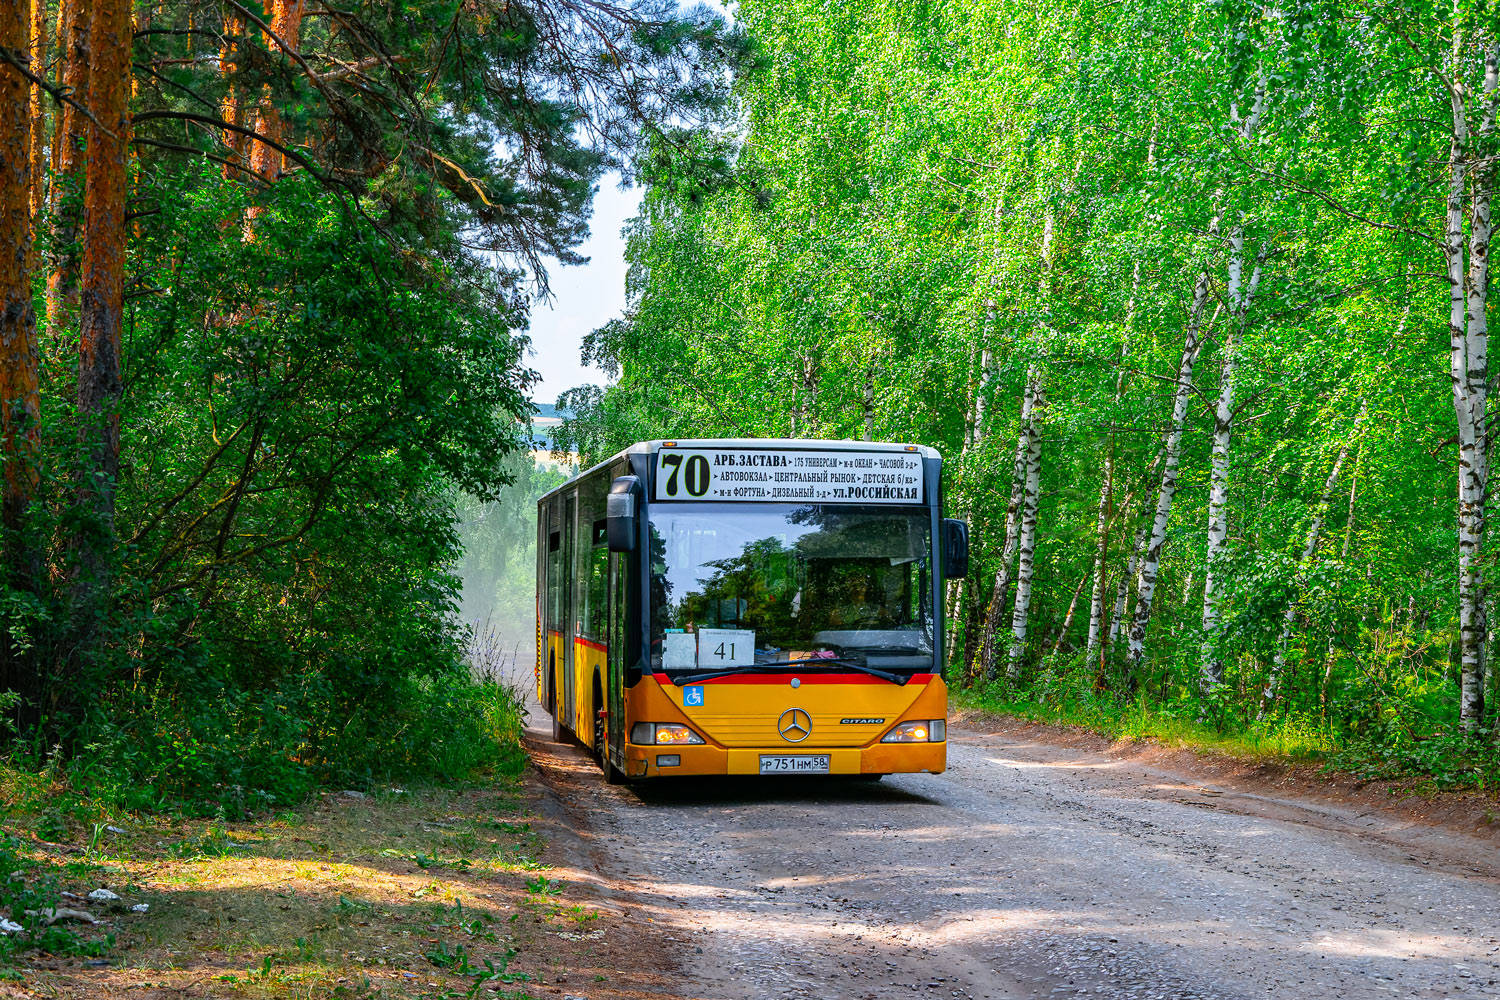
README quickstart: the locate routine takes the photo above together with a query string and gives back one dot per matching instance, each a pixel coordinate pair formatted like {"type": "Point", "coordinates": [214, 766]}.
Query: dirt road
{"type": "Point", "coordinates": [1030, 870]}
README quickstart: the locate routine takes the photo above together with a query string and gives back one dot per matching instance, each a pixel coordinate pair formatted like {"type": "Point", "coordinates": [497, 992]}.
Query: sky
{"type": "Point", "coordinates": [583, 298]}
{"type": "Point", "coordinates": [587, 297]}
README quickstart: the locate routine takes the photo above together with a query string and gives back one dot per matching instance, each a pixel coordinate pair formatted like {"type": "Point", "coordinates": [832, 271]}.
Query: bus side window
{"type": "Point", "coordinates": [596, 599]}
{"type": "Point", "coordinates": [556, 577]}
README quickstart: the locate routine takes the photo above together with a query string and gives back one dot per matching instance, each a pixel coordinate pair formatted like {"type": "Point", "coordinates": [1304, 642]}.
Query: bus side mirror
{"type": "Point", "coordinates": [955, 548]}
{"type": "Point", "coordinates": [622, 513]}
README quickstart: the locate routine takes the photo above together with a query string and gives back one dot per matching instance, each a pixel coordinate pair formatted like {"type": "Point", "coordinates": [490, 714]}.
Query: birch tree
{"type": "Point", "coordinates": [1000, 590]}
{"type": "Point", "coordinates": [1470, 189]}
{"type": "Point", "coordinates": [1149, 565]}
{"type": "Point", "coordinates": [1240, 293]}
{"type": "Point", "coordinates": [1026, 559]}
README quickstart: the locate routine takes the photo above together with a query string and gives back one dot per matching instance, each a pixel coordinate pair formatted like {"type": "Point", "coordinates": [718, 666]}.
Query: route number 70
{"type": "Point", "coordinates": [695, 474]}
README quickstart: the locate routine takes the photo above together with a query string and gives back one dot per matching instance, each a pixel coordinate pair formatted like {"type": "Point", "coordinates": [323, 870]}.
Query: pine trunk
{"type": "Point", "coordinates": [74, 21]}
{"type": "Point", "coordinates": [232, 109]}
{"type": "Point", "coordinates": [1027, 543]}
{"type": "Point", "coordinates": [38, 111]}
{"type": "Point", "coordinates": [99, 384]}
{"type": "Point", "coordinates": [19, 400]}
{"type": "Point", "coordinates": [286, 23]}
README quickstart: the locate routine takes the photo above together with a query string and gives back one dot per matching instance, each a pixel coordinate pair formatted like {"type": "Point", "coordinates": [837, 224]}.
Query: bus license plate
{"type": "Point", "coordinates": [794, 763]}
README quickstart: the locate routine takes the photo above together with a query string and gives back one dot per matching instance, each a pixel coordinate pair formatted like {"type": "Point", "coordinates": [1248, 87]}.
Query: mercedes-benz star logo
{"type": "Point", "coordinates": [794, 725]}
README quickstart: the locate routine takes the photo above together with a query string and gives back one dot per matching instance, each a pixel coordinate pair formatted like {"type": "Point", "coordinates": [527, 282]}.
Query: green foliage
{"type": "Point", "coordinates": [324, 374]}
{"type": "Point", "coordinates": [918, 205]}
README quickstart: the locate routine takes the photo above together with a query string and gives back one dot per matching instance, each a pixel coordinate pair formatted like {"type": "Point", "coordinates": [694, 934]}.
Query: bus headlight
{"type": "Point", "coordinates": [917, 731]}
{"type": "Point", "coordinates": [663, 734]}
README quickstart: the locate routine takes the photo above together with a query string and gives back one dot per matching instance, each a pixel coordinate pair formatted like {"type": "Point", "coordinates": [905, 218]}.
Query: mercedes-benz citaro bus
{"type": "Point", "coordinates": [749, 607]}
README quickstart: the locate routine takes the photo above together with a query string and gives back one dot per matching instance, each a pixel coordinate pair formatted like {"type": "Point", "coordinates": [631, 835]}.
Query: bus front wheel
{"type": "Point", "coordinates": [612, 775]}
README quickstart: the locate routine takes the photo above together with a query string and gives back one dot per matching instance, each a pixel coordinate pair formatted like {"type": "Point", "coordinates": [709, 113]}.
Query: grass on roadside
{"type": "Point", "coordinates": [1438, 762]}
{"type": "Point", "coordinates": [437, 893]}
{"type": "Point", "coordinates": [1294, 739]}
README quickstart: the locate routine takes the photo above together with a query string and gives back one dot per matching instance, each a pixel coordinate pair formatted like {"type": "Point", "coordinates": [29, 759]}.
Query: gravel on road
{"type": "Point", "coordinates": [1032, 870]}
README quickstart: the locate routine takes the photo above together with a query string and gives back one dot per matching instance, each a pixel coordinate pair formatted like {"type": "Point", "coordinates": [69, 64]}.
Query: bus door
{"type": "Point", "coordinates": [570, 609]}
{"type": "Point", "coordinates": [614, 684]}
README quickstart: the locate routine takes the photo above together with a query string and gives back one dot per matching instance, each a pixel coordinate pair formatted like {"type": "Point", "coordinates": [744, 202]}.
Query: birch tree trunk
{"type": "Point", "coordinates": [1468, 338]}
{"type": "Point", "coordinates": [1107, 486]}
{"type": "Point", "coordinates": [99, 383]}
{"type": "Point", "coordinates": [981, 398]}
{"type": "Point", "coordinates": [869, 401]}
{"type": "Point", "coordinates": [19, 399]}
{"type": "Point", "coordinates": [1240, 294]}
{"type": "Point", "coordinates": [1481, 229]}
{"type": "Point", "coordinates": [1027, 542]}
{"type": "Point", "coordinates": [1150, 561]}
{"type": "Point", "coordinates": [1122, 590]}
{"type": "Point", "coordinates": [810, 395]}
{"type": "Point", "coordinates": [1314, 533]}
{"type": "Point", "coordinates": [1001, 589]}
{"type": "Point", "coordinates": [74, 18]}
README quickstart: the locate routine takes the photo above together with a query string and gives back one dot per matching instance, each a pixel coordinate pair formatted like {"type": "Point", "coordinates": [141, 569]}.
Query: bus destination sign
{"type": "Point", "coordinates": [789, 475]}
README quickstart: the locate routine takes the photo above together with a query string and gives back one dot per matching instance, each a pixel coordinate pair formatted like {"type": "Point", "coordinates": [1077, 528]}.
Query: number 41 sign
{"type": "Point", "coordinates": [726, 647]}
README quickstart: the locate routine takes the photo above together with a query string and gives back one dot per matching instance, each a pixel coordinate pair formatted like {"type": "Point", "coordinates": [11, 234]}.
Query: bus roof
{"type": "Point", "coordinates": [790, 444]}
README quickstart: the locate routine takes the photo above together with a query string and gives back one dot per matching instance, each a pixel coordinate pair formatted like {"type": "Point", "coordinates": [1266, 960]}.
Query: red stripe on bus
{"type": "Point", "coordinates": [805, 678]}
{"type": "Point", "coordinates": [591, 644]}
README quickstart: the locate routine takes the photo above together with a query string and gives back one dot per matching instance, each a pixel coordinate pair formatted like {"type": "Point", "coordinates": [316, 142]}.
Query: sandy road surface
{"type": "Point", "coordinates": [1029, 870]}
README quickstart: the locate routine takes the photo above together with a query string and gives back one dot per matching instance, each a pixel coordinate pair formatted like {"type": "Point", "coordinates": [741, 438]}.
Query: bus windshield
{"type": "Point", "coordinates": [736, 586]}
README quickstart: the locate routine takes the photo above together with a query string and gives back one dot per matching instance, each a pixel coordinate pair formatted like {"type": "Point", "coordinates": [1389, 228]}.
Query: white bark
{"type": "Point", "coordinates": [1468, 340]}
{"type": "Point", "coordinates": [809, 421]}
{"type": "Point", "coordinates": [1107, 485]}
{"type": "Point", "coordinates": [869, 400]}
{"type": "Point", "coordinates": [1001, 590]}
{"type": "Point", "coordinates": [1240, 294]}
{"type": "Point", "coordinates": [982, 395]}
{"type": "Point", "coordinates": [1027, 561]}
{"type": "Point", "coordinates": [1028, 459]}
{"type": "Point", "coordinates": [955, 610]}
{"type": "Point", "coordinates": [1122, 591]}
{"type": "Point", "coordinates": [1150, 561]}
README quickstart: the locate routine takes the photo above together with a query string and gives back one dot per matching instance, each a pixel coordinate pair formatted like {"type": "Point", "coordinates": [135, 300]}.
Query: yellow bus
{"type": "Point", "coordinates": [749, 607]}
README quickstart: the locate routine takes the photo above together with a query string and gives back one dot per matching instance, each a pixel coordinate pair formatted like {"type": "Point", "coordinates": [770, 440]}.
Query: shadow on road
{"type": "Point", "coordinates": [750, 790]}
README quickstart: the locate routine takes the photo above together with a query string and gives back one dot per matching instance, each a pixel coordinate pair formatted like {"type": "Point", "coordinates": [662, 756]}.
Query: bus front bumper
{"type": "Point", "coordinates": [881, 758]}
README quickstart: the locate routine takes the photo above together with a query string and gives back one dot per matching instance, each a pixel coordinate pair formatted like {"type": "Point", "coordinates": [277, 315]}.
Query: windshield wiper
{"type": "Point", "coordinates": [899, 680]}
